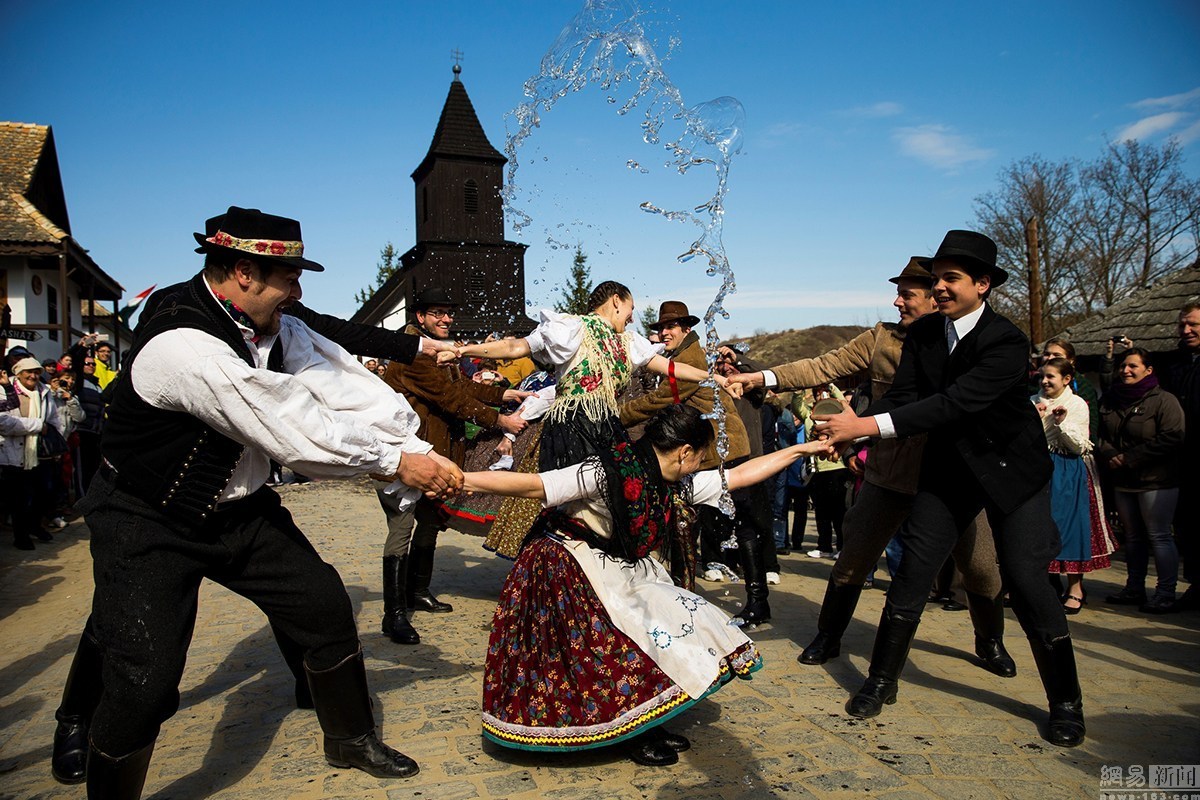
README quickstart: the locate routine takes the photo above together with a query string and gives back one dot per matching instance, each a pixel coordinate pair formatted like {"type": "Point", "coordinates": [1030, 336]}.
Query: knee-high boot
{"type": "Point", "coordinates": [896, 632]}
{"type": "Point", "coordinates": [837, 609]}
{"type": "Point", "coordinates": [420, 573]}
{"type": "Point", "coordinates": [1056, 666]}
{"type": "Point", "coordinates": [120, 778]}
{"type": "Point", "coordinates": [987, 616]}
{"type": "Point", "coordinates": [293, 656]}
{"type": "Point", "coordinates": [395, 614]}
{"type": "Point", "coordinates": [750, 551]}
{"type": "Point", "coordinates": [68, 763]}
{"type": "Point", "coordinates": [344, 710]}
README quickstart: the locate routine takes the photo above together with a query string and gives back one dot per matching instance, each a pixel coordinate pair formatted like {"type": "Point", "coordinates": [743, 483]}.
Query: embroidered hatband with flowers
{"type": "Point", "coordinates": [601, 373]}
{"type": "Point", "coordinates": [264, 247]}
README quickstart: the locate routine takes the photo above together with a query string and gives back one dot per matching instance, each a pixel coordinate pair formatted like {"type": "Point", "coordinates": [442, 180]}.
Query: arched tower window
{"type": "Point", "coordinates": [471, 197]}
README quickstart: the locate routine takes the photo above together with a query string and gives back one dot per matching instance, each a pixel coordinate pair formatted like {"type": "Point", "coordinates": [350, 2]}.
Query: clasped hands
{"type": "Point", "coordinates": [437, 476]}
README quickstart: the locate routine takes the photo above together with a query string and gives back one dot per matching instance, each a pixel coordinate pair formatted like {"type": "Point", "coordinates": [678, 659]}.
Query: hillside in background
{"type": "Point", "coordinates": [768, 349]}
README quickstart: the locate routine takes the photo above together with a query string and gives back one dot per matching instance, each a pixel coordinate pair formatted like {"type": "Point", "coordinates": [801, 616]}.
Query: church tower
{"type": "Point", "coordinates": [460, 233]}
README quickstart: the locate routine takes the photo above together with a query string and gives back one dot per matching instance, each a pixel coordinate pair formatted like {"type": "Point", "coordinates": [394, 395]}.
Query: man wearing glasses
{"type": "Point", "coordinates": [445, 401]}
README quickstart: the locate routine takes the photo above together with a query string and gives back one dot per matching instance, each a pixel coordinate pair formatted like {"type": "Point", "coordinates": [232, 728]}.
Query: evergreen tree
{"type": "Point", "coordinates": [578, 287]}
{"type": "Point", "coordinates": [647, 318]}
{"type": "Point", "coordinates": [389, 264]}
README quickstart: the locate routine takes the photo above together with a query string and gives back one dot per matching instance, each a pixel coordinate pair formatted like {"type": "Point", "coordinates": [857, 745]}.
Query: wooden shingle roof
{"type": "Point", "coordinates": [1148, 316]}
{"type": "Point", "coordinates": [30, 188]}
{"type": "Point", "coordinates": [459, 134]}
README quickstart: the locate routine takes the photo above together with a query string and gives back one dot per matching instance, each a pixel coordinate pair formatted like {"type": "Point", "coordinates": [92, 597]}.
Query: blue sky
{"type": "Point", "coordinates": [870, 128]}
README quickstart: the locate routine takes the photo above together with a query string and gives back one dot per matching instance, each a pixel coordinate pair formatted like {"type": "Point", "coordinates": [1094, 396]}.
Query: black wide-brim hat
{"type": "Point", "coordinates": [432, 296]}
{"type": "Point", "coordinates": [973, 251]}
{"type": "Point", "coordinates": [251, 233]}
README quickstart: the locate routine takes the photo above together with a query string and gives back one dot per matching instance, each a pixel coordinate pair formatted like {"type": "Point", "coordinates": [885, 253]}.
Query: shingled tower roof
{"type": "Point", "coordinates": [32, 208]}
{"type": "Point", "coordinates": [459, 134]}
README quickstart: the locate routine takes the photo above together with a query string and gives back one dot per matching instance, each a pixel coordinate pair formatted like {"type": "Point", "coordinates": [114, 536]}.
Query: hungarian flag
{"type": "Point", "coordinates": [125, 313]}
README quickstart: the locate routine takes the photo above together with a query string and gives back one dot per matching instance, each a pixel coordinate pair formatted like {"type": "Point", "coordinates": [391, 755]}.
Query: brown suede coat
{"type": "Point", "coordinates": [891, 463]}
{"type": "Point", "coordinates": [693, 394]}
{"type": "Point", "coordinates": [444, 400]}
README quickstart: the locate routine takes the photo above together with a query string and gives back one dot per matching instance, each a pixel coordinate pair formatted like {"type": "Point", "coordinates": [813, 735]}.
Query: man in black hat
{"type": "Point", "coordinates": [444, 401]}
{"type": "Point", "coordinates": [961, 380]}
{"type": "Point", "coordinates": [218, 383]}
{"type": "Point", "coordinates": [889, 483]}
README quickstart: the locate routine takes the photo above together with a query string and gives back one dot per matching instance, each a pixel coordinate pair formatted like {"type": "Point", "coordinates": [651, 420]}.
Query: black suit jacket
{"type": "Point", "coordinates": [974, 404]}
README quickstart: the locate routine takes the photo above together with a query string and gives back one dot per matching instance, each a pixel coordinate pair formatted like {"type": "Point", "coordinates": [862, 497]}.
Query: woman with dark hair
{"type": "Point", "coordinates": [1141, 447]}
{"type": "Point", "coordinates": [593, 356]}
{"type": "Point", "coordinates": [1081, 387]}
{"type": "Point", "coordinates": [593, 643]}
{"type": "Point", "coordinates": [1075, 498]}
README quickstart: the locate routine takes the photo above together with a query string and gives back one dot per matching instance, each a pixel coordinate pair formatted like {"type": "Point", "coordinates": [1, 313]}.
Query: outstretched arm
{"type": "Point", "coordinates": [508, 484]}
{"type": "Point", "coordinates": [661, 365]}
{"type": "Point", "coordinates": [759, 469]}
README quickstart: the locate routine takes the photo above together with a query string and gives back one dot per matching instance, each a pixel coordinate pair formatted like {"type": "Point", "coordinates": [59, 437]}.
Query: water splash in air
{"type": "Point", "coordinates": [605, 45]}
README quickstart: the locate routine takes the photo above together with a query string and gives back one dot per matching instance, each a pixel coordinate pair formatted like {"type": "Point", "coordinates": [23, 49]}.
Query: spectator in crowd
{"type": "Point", "coordinates": [515, 370]}
{"type": "Point", "coordinates": [105, 370]}
{"type": "Point", "coordinates": [828, 486]}
{"type": "Point", "coordinates": [1075, 498]}
{"type": "Point", "coordinates": [1181, 377]}
{"type": "Point", "coordinates": [371, 365]}
{"type": "Point", "coordinates": [1141, 449]}
{"type": "Point", "coordinates": [795, 488]}
{"type": "Point", "coordinates": [1080, 386]}
{"type": "Point", "coordinates": [21, 475]}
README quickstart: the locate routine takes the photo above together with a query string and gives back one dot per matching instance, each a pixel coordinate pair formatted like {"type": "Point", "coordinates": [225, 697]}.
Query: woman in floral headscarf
{"type": "Point", "coordinates": [593, 643]}
{"type": "Point", "coordinates": [593, 356]}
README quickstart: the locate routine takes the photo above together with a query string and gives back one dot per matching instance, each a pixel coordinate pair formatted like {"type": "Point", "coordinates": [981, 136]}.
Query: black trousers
{"type": "Point", "coordinates": [147, 572]}
{"type": "Point", "coordinates": [1026, 542]}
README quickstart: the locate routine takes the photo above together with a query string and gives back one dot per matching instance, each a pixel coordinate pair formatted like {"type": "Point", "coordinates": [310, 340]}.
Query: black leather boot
{"type": "Point", "coordinates": [68, 763]}
{"type": "Point", "coordinates": [395, 615]}
{"type": "Point", "coordinates": [293, 656]}
{"type": "Point", "coordinates": [1056, 666]}
{"type": "Point", "coordinates": [344, 711]}
{"type": "Point", "coordinates": [121, 778]}
{"type": "Point", "coordinates": [837, 609]}
{"type": "Point", "coordinates": [650, 750]}
{"type": "Point", "coordinates": [750, 554]}
{"type": "Point", "coordinates": [896, 632]}
{"type": "Point", "coordinates": [420, 573]}
{"type": "Point", "coordinates": [988, 618]}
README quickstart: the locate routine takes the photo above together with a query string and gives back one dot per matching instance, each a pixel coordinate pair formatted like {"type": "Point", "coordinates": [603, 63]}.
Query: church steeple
{"type": "Point", "coordinates": [458, 182]}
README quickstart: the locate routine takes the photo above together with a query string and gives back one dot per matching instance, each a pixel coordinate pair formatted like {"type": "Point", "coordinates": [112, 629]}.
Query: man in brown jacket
{"type": "Point", "coordinates": [675, 324]}
{"type": "Point", "coordinates": [445, 401]}
{"type": "Point", "coordinates": [889, 485]}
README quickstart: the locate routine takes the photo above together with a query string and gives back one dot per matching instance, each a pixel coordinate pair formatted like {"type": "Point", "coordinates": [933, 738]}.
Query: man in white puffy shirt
{"type": "Point", "coordinates": [219, 383]}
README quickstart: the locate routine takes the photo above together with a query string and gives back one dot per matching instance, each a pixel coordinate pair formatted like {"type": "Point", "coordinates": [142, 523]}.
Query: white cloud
{"type": "Point", "coordinates": [1149, 126]}
{"type": "Point", "coordinates": [939, 146]}
{"type": "Point", "coordinates": [1189, 134]}
{"type": "Point", "coordinates": [875, 111]}
{"type": "Point", "coordinates": [1171, 101]}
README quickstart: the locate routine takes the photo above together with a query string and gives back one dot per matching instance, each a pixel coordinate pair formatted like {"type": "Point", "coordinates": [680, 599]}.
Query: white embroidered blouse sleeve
{"type": "Point", "coordinates": [1073, 430]}
{"type": "Point", "coordinates": [557, 338]}
{"type": "Point", "coordinates": [578, 482]}
{"type": "Point", "coordinates": [706, 488]}
{"type": "Point", "coordinates": [641, 349]}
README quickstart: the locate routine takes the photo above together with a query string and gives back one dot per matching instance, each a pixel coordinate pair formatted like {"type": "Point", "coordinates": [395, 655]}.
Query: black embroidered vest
{"type": "Point", "coordinates": [171, 460]}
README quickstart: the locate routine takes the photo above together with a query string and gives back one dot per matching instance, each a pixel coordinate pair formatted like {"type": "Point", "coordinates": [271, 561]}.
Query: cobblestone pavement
{"type": "Point", "coordinates": [956, 731]}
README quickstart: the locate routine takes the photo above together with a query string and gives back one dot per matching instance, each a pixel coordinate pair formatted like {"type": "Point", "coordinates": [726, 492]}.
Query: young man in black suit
{"type": "Point", "coordinates": [961, 379]}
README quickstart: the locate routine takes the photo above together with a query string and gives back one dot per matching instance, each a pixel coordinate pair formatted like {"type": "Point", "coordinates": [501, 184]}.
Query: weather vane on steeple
{"type": "Point", "coordinates": [457, 55]}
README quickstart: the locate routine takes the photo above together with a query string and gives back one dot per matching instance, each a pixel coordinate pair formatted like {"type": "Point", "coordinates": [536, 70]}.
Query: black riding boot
{"type": "Point", "coordinates": [896, 632]}
{"type": "Point", "coordinates": [121, 778]}
{"type": "Point", "coordinates": [68, 763]}
{"type": "Point", "coordinates": [837, 609]}
{"type": "Point", "coordinates": [988, 618]}
{"type": "Point", "coordinates": [750, 555]}
{"type": "Point", "coordinates": [395, 615]}
{"type": "Point", "coordinates": [344, 711]}
{"type": "Point", "coordinates": [420, 573]}
{"type": "Point", "coordinates": [1056, 665]}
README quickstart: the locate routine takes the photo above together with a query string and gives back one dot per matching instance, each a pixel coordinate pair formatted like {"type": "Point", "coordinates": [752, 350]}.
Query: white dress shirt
{"type": "Point", "coordinates": [558, 337]}
{"type": "Point", "coordinates": [960, 327]}
{"type": "Point", "coordinates": [324, 416]}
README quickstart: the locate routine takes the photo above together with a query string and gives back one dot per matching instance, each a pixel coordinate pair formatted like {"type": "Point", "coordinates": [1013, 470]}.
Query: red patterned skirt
{"type": "Point", "coordinates": [560, 675]}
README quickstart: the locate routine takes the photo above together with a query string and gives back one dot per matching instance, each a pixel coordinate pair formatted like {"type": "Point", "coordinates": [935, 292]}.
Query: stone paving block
{"type": "Point", "coordinates": [1038, 790]}
{"type": "Point", "coordinates": [961, 789]}
{"type": "Point", "coordinates": [905, 763]}
{"type": "Point", "coordinates": [510, 784]}
{"type": "Point", "coordinates": [972, 766]}
{"type": "Point", "coordinates": [859, 781]}
{"type": "Point", "coordinates": [447, 790]}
